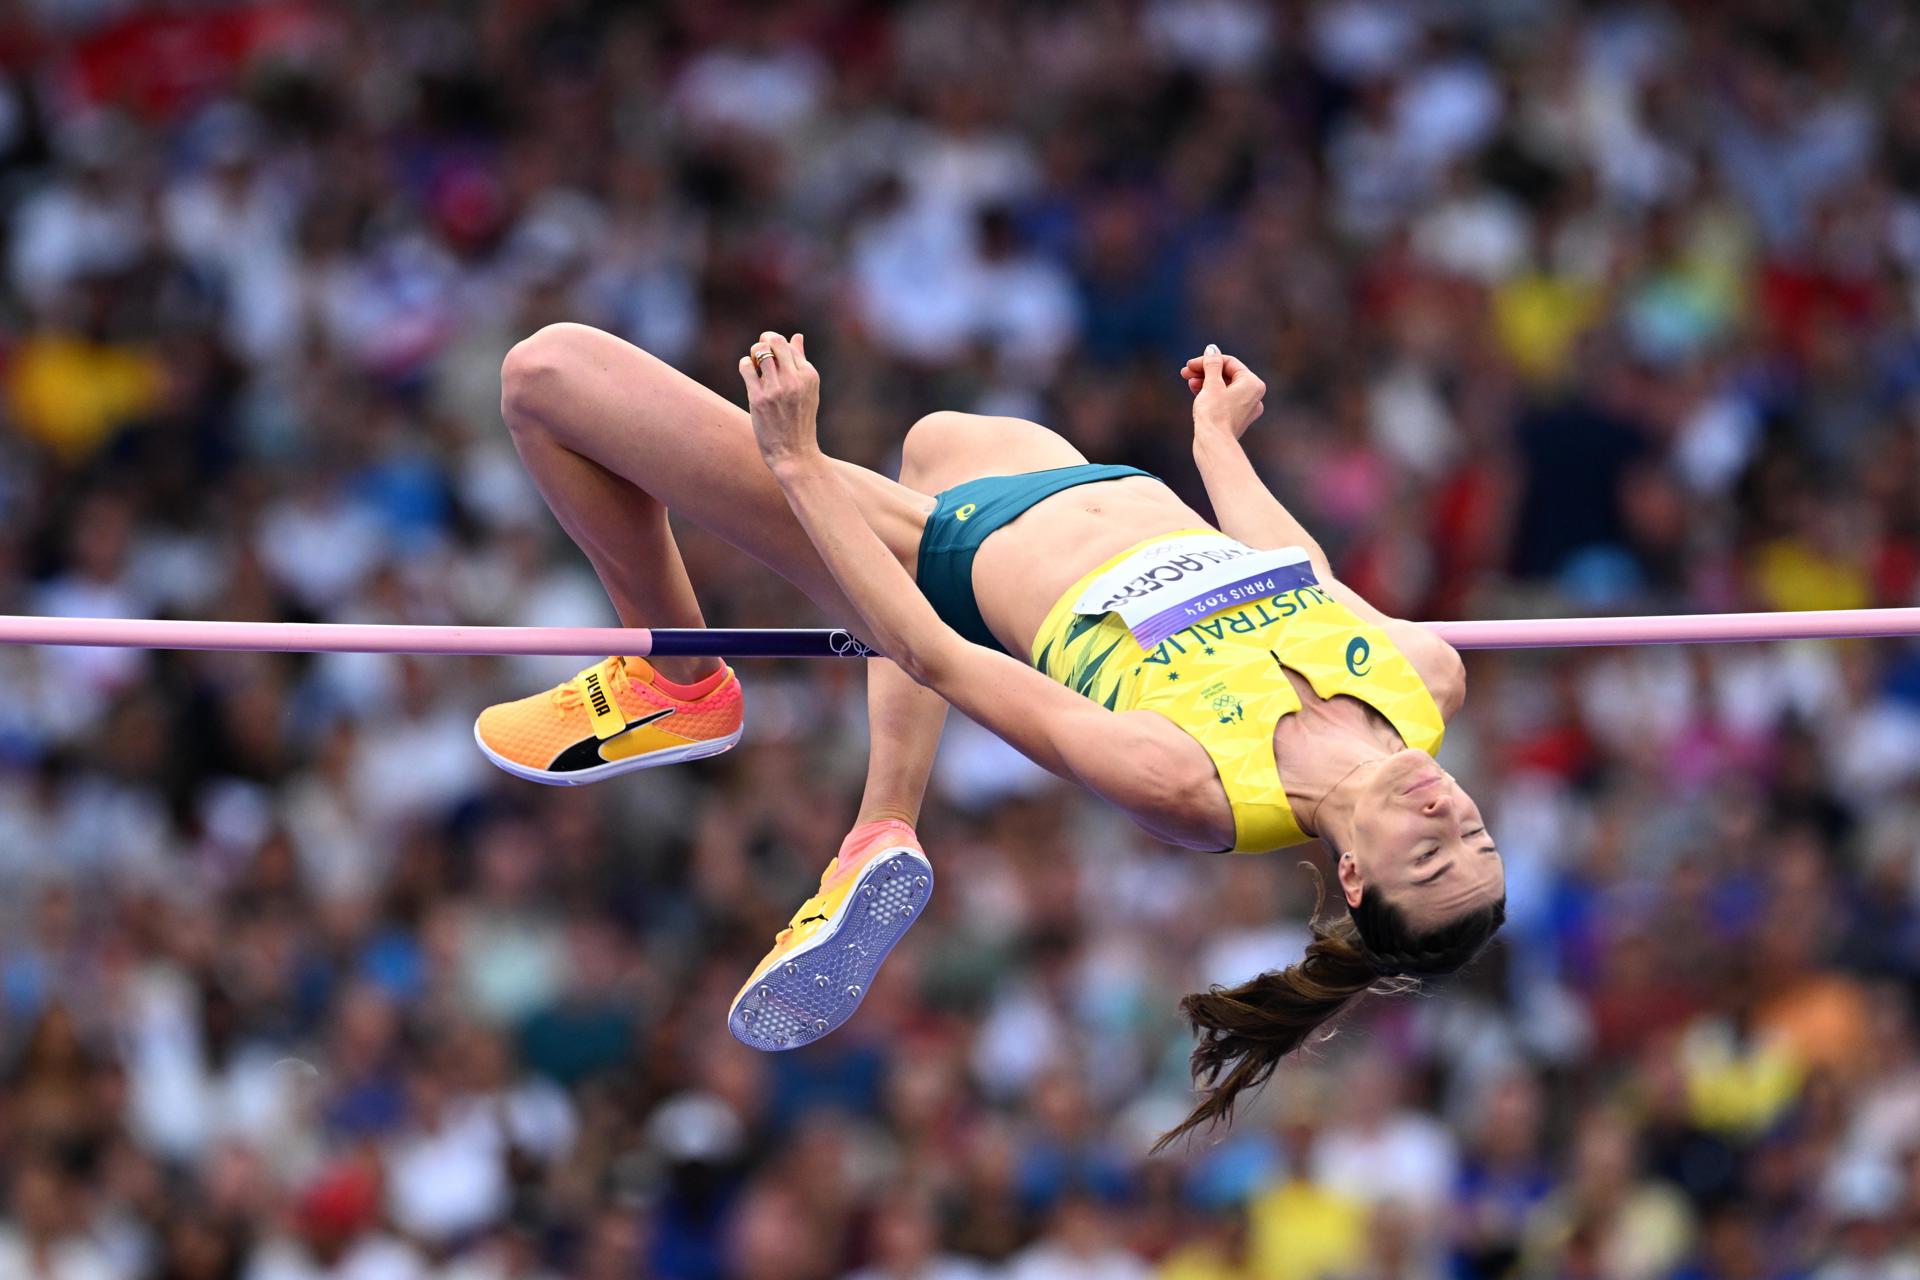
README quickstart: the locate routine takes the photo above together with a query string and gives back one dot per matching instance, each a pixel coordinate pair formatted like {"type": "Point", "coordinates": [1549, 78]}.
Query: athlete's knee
{"type": "Point", "coordinates": [535, 371]}
{"type": "Point", "coordinates": [932, 440]}
{"type": "Point", "coordinates": [529, 374]}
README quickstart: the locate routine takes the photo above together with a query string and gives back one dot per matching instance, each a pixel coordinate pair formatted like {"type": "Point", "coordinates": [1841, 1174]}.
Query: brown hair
{"type": "Point", "coordinates": [1246, 1030]}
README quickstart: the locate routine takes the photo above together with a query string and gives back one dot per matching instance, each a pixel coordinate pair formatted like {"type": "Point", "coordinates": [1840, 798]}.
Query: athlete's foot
{"type": "Point", "coordinates": [612, 718]}
{"type": "Point", "coordinates": [823, 963]}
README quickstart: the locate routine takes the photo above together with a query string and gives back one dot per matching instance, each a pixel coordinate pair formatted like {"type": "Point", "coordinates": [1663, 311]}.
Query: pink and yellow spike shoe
{"type": "Point", "coordinates": [612, 718]}
{"type": "Point", "coordinates": [824, 961]}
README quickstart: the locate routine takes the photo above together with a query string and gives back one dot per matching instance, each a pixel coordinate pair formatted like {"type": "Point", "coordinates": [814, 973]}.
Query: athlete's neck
{"type": "Point", "coordinates": [1323, 754]}
{"type": "Point", "coordinates": [1324, 793]}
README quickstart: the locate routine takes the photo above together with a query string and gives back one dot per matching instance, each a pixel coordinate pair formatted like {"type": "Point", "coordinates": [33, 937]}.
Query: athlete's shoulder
{"type": "Point", "coordinates": [1448, 683]}
{"type": "Point", "coordinates": [1171, 786]}
{"type": "Point", "coordinates": [1436, 662]}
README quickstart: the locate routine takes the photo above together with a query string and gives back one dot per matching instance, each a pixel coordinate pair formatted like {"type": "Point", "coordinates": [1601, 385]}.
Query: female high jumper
{"type": "Point", "coordinates": [1217, 685]}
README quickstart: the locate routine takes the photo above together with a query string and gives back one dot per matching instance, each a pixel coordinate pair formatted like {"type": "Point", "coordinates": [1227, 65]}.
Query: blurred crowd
{"type": "Point", "coordinates": [1567, 307]}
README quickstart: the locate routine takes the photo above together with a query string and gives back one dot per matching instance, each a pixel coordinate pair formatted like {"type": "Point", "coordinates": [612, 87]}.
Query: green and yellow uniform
{"type": "Point", "coordinates": [1220, 677]}
{"type": "Point", "coordinates": [1215, 669]}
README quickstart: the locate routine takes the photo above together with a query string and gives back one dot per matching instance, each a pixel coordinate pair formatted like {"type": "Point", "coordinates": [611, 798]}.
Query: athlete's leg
{"type": "Point", "coordinates": [614, 438]}
{"type": "Point", "coordinates": [878, 884]}
{"type": "Point", "coordinates": [625, 535]}
{"type": "Point", "coordinates": [940, 451]}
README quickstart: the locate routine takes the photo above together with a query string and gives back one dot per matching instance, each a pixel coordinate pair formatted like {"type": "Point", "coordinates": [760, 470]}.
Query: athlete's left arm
{"type": "Point", "coordinates": [1139, 760]}
{"type": "Point", "coordinates": [783, 395]}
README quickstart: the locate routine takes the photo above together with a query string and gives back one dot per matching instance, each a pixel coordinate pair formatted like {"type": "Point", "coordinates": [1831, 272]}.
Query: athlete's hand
{"type": "Point", "coordinates": [1227, 396]}
{"type": "Point", "coordinates": [783, 395]}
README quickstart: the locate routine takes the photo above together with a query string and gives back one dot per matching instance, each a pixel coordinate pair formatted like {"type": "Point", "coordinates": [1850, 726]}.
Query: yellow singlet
{"type": "Point", "coordinates": [1220, 679]}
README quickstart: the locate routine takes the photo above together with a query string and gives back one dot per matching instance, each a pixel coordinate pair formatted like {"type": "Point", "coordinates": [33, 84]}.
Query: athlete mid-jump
{"type": "Point", "coordinates": [1217, 684]}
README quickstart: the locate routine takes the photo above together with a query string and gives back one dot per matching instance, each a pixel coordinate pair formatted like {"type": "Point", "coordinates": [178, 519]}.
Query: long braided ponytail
{"type": "Point", "coordinates": [1246, 1030]}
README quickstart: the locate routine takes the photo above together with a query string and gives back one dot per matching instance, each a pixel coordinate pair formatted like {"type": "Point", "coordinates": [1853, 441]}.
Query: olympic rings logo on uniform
{"type": "Point", "coordinates": [965, 511]}
{"type": "Point", "coordinates": [1358, 651]}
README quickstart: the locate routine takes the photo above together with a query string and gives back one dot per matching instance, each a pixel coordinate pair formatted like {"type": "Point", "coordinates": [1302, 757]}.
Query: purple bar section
{"type": "Point", "coordinates": [305, 637]}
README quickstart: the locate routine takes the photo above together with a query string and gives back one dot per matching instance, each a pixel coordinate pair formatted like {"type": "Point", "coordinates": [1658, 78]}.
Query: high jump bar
{"type": "Point", "coordinates": [341, 637]}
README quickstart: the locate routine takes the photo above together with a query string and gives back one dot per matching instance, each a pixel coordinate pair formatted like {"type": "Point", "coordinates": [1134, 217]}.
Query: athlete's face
{"type": "Point", "coordinates": [1419, 839]}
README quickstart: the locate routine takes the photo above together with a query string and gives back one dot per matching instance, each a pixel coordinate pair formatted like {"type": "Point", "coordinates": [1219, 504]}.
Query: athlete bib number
{"type": "Point", "coordinates": [1173, 584]}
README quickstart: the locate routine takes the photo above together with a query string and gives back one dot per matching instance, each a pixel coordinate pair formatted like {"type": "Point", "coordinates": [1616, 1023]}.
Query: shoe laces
{"type": "Point", "coordinates": [573, 693]}
{"type": "Point", "coordinates": [813, 909]}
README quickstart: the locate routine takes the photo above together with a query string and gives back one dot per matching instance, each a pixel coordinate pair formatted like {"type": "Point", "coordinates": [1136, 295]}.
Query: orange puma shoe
{"type": "Point", "coordinates": [612, 718]}
{"type": "Point", "coordinates": [823, 962]}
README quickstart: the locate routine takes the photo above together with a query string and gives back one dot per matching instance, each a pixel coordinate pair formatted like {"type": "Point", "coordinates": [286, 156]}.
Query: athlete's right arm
{"type": "Point", "coordinates": [1227, 398]}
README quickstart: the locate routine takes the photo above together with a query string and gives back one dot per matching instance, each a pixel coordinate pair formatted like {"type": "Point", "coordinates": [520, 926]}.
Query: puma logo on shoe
{"type": "Point", "coordinates": [591, 751]}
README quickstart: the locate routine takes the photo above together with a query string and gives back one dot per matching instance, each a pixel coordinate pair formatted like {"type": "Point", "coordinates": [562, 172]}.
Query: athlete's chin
{"type": "Point", "coordinates": [1422, 786]}
{"type": "Point", "coordinates": [1410, 767]}
{"type": "Point", "coordinates": [1389, 785]}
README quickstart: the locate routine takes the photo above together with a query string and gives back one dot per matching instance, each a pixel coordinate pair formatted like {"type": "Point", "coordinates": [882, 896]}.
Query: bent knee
{"type": "Point", "coordinates": [938, 432]}
{"type": "Point", "coordinates": [934, 441]}
{"type": "Point", "coordinates": [949, 447]}
{"type": "Point", "coordinates": [535, 369]}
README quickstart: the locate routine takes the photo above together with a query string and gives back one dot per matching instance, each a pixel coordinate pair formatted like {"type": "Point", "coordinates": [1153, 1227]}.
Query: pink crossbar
{"type": "Point", "coordinates": [1685, 628]}
{"type": "Point", "coordinates": [305, 637]}
{"type": "Point", "coordinates": [323, 637]}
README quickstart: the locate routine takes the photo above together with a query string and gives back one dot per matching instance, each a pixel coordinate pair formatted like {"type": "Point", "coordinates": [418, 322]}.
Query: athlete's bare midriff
{"type": "Point", "coordinates": [1024, 567]}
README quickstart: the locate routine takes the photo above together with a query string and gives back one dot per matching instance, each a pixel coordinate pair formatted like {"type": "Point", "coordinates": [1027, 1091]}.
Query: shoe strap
{"type": "Point", "coordinates": [597, 695]}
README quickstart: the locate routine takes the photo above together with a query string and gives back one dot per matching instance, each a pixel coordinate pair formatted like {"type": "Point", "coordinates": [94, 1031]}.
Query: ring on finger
{"type": "Point", "coordinates": [758, 356]}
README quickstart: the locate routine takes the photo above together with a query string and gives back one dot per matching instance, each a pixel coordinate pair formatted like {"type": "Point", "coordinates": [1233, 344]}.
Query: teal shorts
{"type": "Point", "coordinates": [962, 518]}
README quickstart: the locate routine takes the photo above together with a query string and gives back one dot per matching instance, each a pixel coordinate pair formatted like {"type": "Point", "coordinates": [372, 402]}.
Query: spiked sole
{"type": "Point", "coordinates": [580, 777]}
{"type": "Point", "coordinates": [817, 987]}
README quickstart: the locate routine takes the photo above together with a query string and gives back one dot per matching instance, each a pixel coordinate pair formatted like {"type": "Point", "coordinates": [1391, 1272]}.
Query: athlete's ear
{"type": "Point", "coordinates": [1352, 885]}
